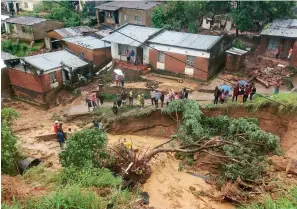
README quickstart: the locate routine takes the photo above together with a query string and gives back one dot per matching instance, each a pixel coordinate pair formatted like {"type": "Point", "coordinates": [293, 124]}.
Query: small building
{"type": "Point", "coordinates": [89, 48]}
{"type": "Point", "coordinates": [235, 59]}
{"type": "Point", "coordinates": [52, 38]}
{"type": "Point", "coordinates": [122, 12]}
{"type": "Point", "coordinates": [30, 28]}
{"type": "Point", "coordinates": [19, 5]}
{"type": "Point", "coordinates": [194, 55]}
{"type": "Point", "coordinates": [282, 34]}
{"type": "Point", "coordinates": [38, 77]}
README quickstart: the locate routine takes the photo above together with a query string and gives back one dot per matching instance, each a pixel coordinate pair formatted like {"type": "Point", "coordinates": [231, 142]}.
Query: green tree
{"type": "Point", "coordinates": [85, 148]}
{"type": "Point", "coordinates": [8, 141]}
{"type": "Point", "coordinates": [158, 17]}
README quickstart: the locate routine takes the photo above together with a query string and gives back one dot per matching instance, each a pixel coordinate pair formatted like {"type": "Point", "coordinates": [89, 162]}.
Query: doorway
{"type": "Point", "coordinates": [66, 76]}
{"type": "Point", "coordinates": [139, 55]}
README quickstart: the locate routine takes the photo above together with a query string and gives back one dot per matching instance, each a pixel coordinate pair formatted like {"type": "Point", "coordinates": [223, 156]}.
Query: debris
{"type": "Point", "coordinates": [198, 175]}
{"type": "Point", "coordinates": [262, 82]}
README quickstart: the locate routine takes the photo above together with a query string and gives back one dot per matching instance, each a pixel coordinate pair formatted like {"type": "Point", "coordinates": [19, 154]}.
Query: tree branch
{"type": "Point", "coordinates": [160, 145]}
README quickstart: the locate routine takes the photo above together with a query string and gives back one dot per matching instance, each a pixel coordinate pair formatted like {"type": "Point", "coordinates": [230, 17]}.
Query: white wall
{"type": "Point", "coordinates": [146, 52]}
{"type": "Point", "coordinates": [178, 50]}
{"type": "Point", "coordinates": [115, 52]}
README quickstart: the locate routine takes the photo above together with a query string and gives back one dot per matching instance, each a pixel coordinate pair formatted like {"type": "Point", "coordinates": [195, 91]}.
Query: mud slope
{"type": "Point", "coordinates": [157, 124]}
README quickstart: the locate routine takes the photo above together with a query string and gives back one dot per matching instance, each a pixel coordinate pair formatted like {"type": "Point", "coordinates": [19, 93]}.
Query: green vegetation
{"type": "Point", "coordinates": [17, 49]}
{"type": "Point", "coordinates": [85, 148]}
{"type": "Point", "coordinates": [289, 201]}
{"type": "Point", "coordinates": [8, 142]}
{"type": "Point", "coordinates": [245, 143]}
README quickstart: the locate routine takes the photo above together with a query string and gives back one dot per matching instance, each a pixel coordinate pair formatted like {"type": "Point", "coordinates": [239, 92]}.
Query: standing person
{"type": "Point", "coordinates": [142, 100]}
{"type": "Point", "coordinates": [132, 55]}
{"type": "Point", "coordinates": [124, 97]}
{"type": "Point", "coordinates": [185, 94]}
{"type": "Point", "coordinates": [139, 100]}
{"type": "Point", "coordinates": [276, 88]}
{"type": "Point", "coordinates": [162, 98]}
{"type": "Point", "coordinates": [217, 93]}
{"type": "Point", "coordinates": [94, 101]}
{"type": "Point", "coordinates": [119, 100]}
{"type": "Point", "coordinates": [277, 52]}
{"type": "Point", "coordinates": [89, 103]}
{"type": "Point", "coordinates": [56, 127]}
{"type": "Point", "coordinates": [246, 93]}
{"type": "Point", "coordinates": [116, 78]}
{"type": "Point", "coordinates": [153, 95]}
{"type": "Point", "coordinates": [290, 53]}
{"type": "Point", "coordinates": [240, 95]}
{"type": "Point", "coordinates": [253, 91]}
{"type": "Point", "coordinates": [115, 108]}
{"type": "Point", "coordinates": [157, 97]}
{"type": "Point", "coordinates": [101, 99]}
{"type": "Point", "coordinates": [226, 95]}
{"type": "Point", "coordinates": [222, 96]}
{"type": "Point", "coordinates": [168, 98]}
{"type": "Point", "coordinates": [61, 138]}
{"type": "Point", "coordinates": [123, 80]}
{"type": "Point", "coordinates": [131, 94]}
{"type": "Point", "coordinates": [235, 92]}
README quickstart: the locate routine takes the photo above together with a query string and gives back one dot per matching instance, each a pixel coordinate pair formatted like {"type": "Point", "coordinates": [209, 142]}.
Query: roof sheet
{"type": "Point", "coordinates": [115, 5]}
{"type": "Point", "coordinates": [52, 60]}
{"type": "Point", "coordinates": [185, 40]}
{"type": "Point", "coordinates": [25, 20]}
{"type": "Point", "coordinates": [136, 32]}
{"type": "Point", "coordinates": [7, 56]}
{"type": "Point", "coordinates": [89, 42]}
{"type": "Point", "coordinates": [73, 31]}
{"type": "Point", "coordinates": [282, 28]}
{"type": "Point", "coordinates": [236, 51]}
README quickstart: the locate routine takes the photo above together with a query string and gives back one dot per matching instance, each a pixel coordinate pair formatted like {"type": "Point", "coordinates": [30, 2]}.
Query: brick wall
{"type": "Point", "coordinates": [153, 56]}
{"type": "Point", "coordinates": [263, 45]}
{"type": "Point", "coordinates": [202, 64]}
{"type": "Point", "coordinates": [293, 59]}
{"type": "Point", "coordinates": [175, 62]}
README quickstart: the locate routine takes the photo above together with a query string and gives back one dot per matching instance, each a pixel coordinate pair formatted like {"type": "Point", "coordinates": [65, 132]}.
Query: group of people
{"type": "Point", "coordinates": [183, 94]}
{"type": "Point", "coordinates": [278, 50]}
{"type": "Point", "coordinates": [94, 100]}
{"type": "Point", "coordinates": [241, 93]}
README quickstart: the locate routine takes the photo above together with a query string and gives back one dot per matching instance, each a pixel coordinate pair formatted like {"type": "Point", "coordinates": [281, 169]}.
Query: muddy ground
{"type": "Point", "coordinates": [167, 187]}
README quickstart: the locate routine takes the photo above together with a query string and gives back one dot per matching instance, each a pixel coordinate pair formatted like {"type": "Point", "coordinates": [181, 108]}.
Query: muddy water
{"type": "Point", "coordinates": [169, 188]}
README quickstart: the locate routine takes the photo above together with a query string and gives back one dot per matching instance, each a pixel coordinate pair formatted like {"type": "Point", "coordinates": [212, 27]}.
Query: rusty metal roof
{"type": "Point", "coordinates": [25, 20]}
{"type": "Point", "coordinates": [115, 5]}
{"type": "Point", "coordinates": [74, 31]}
{"type": "Point", "coordinates": [281, 28]}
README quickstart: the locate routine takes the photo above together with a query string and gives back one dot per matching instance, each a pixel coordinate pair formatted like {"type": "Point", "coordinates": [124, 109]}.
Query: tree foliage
{"type": "Point", "coordinates": [17, 49]}
{"type": "Point", "coordinates": [8, 141]}
{"type": "Point", "coordinates": [244, 141]}
{"type": "Point", "coordinates": [85, 148]}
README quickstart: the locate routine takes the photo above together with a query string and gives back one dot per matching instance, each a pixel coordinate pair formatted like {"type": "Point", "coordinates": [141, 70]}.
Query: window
{"type": "Point", "coordinates": [161, 57]}
{"type": "Point", "coordinates": [26, 5]}
{"type": "Point", "coordinates": [137, 19]}
{"type": "Point", "coordinates": [190, 61]}
{"type": "Point", "coordinates": [273, 43]}
{"type": "Point", "coordinates": [123, 49]}
{"type": "Point", "coordinates": [53, 77]}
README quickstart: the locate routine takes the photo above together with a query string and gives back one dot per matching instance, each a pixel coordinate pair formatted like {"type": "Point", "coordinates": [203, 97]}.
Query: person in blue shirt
{"type": "Point", "coordinates": [61, 138]}
{"type": "Point", "coordinates": [96, 124]}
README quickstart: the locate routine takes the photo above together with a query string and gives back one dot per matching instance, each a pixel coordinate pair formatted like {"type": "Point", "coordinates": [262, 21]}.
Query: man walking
{"type": "Point", "coordinates": [61, 139]}
{"type": "Point", "coordinates": [153, 96]}
{"type": "Point", "coordinates": [56, 127]}
{"type": "Point", "coordinates": [131, 94]}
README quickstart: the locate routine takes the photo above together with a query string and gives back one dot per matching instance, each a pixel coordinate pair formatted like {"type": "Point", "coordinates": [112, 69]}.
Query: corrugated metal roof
{"type": "Point", "coordinates": [282, 28]}
{"type": "Point", "coordinates": [104, 33]}
{"type": "Point", "coordinates": [25, 20]}
{"type": "Point", "coordinates": [115, 5]}
{"type": "Point", "coordinates": [89, 42]}
{"type": "Point", "coordinates": [52, 60]}
{"type": "Point", "coordinates": [236, 51]}
{"type": "Point", "coordinates": [7, 56]}
{"type": "Point", "coordinates": [73, 31]}
{"type": "Point", "coordinates": [137, 32]}
{"type": "Point", "coordinates": [185, 40]}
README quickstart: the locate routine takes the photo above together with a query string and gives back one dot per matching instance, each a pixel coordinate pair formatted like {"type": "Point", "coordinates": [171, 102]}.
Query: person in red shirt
{"type": "Point", "coordinates": [246, 93]}
{"type": "Point", "coordinates": [235, 92]}
{"type": "Point", "coordinates": [56, 127]}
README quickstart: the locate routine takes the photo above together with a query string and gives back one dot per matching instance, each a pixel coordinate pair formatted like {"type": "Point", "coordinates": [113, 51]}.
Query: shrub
{"type": "Point", "coordinates": [85, 148]}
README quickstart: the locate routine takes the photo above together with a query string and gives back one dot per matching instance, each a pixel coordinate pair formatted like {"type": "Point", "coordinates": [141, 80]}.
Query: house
{"type": "Point", "coordinates": [235, 59]}
{"type": "Point", "coordinates": [38, 77]}
{"type": "Point", "coordinates": [122, 12]}
{"type": "Point", "coordinates": [195, 55]}
{"type": "Point", "coordinates": [16, 6]}
{"type": "Point", "coordinates": [30, 28]}
{"type": "Point", "coordinates": [199, 56]}
{"type": "Point", "coordinates": [9, 61]}
{"type": "Point", "coordinates": [89, 48]}
{"type": "Point", "coordinates": [52, 37]}
{"type": "Point", "coordinates": [280, 33]}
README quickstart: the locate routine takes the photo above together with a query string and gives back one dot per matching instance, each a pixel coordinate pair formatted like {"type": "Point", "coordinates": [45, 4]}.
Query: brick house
{"type": "Point", "coordinates": [194, 55]}
{"type": "Point", "coordinates": [30, 28]}
{"type": "Point", "coordinates": [9, 62]}
{"type": "Point", "coordinates": [89, 48]}
{"type": "Point", "coordinates": [38, 77]}
{"type": "Point", "coordinates": [122, 12]}
{"type": "Point", "coordinates": [280, 33]}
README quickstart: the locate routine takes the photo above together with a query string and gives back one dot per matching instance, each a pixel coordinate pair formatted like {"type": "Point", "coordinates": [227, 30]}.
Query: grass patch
{"type": "Point", "coordinates": [40, 175]}
{"type": "Point", "coordinates": [286, 202]}
{"type": "Point", "coordinates": [20, 49]}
